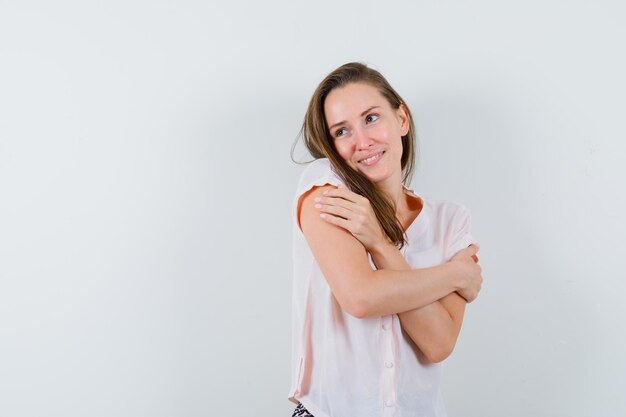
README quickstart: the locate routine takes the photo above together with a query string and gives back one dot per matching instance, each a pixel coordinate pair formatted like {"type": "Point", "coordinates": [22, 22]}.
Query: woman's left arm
{"type": "Point", "coordinates": [435, 327]}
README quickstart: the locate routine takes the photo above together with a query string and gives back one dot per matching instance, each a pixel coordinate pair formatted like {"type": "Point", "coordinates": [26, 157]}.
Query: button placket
{"type": "Point", "coordinates": [388, 360]}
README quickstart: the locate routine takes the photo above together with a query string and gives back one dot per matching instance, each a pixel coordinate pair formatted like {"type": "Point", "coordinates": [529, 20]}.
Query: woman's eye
{"type": "Point", "coordinates": [371, 118]}
{"type": "Point", "coordinates": [340, 132]}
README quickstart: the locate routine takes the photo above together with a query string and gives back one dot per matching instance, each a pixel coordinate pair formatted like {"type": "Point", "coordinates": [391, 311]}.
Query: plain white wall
{"type": "Point", "coordinates": [146, 183]}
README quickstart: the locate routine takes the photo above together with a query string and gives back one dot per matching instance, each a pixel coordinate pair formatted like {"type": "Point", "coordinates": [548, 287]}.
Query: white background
{"type": "Point", "coordinates": [146, 186]}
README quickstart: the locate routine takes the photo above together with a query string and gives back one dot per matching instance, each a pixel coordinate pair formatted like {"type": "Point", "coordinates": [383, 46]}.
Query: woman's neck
{"type": "Point", "coordinates": [393, 188]}
{"type": "Point", "coordinates": [408, 207]}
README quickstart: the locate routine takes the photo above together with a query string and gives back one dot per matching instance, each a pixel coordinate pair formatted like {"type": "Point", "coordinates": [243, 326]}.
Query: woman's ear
{"type": "Point", "coordinates": [403, 117]}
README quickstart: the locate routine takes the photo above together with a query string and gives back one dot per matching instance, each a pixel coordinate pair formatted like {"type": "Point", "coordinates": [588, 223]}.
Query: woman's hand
{"type": "Point", "coordinates": [354, 213]}
{"type": "Point", "coordinates": [471, 272]}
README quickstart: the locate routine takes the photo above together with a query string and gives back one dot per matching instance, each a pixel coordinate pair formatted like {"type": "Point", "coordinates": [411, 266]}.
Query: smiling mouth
{"type": "Point", "coordinates": [371, 158]}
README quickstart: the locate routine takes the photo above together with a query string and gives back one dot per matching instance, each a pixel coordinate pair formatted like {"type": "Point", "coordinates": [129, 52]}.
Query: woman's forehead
{"type": "Point", "coordinates": [351, 100]}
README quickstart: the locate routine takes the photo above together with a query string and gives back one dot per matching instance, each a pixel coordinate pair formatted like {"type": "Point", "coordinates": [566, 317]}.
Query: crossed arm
{"type": "Point", "coordinates": [426, 300]}
{"type": "Point", "coordinates": [435, 327]}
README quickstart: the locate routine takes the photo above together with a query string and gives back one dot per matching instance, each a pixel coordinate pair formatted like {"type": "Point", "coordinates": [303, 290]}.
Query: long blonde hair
{"type": "Point", "coordinates": [319, 143]}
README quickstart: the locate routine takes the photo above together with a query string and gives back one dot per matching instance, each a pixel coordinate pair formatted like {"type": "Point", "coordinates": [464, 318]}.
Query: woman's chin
{"type": "Point", "coordinates": [375, 173]}
{"type": "Point", "coordinates": [375, 178]}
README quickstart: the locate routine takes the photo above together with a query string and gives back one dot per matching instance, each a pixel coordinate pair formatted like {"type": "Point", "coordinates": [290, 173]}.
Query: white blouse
{"type": "Point", "coordinates": [343, 366]}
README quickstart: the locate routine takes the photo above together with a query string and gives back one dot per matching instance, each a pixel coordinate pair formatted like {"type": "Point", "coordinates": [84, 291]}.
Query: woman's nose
{"type": "Point", "coordinates": [363, 141]}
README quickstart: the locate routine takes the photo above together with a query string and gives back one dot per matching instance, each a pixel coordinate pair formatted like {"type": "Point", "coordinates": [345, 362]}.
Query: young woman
{"type": "Point", "coordinates": [381, 274]}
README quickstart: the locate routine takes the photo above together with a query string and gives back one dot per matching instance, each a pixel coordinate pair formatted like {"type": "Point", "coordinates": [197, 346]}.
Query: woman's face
{"type": "Point", "coordinates": [366, 130]}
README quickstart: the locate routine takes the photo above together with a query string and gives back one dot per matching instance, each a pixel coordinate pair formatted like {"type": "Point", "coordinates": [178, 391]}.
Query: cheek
{"type": "Point", "coordinates": [383, 129]}
{"type": "Point", "coordinates": [390, 135]}
{"type": "Point", "coordinates": [344, 149]}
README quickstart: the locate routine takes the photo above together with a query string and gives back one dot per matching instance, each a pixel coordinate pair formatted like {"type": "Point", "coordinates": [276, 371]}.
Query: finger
{"type": "Point", "coordinates": [342, 192]}
{"type": "Point", "coordinates": [337, 201]}
{"type": "Point", "coordinates": [471, 249]}
{"type": "Point", "coordinates": [338, 221]}
{"type": "Point", "coordinates": [349, 195]}
{"type": "Point", "coordinates": [466, 300]}
{"type": "Point", "coordinates": [336, 210]}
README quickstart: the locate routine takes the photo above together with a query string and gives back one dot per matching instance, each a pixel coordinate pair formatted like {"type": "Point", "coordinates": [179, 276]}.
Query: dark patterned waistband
{"type": "Point", "coordinates": [300, 411]}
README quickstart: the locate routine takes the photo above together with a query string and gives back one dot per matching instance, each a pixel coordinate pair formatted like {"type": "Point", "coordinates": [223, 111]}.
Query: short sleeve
{"type": "Point", "coordinates": [460, 232]}
{"type": "Point", "coordinates": [317, 174]}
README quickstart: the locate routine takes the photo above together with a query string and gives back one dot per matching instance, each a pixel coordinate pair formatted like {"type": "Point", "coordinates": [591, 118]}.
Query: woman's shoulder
{"type": "Point", "coordinates": [318, 172]}
{"type": "Point", "coordinates": [446, 211]}
{"type": "Point", "coordinates": [445, 204]}
{"type": "Point", "coordinates": [316, 167]}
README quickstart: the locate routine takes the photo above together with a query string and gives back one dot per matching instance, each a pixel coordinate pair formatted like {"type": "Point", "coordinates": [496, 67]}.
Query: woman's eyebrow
{"type": "Point", "coordinates": [362, 114]}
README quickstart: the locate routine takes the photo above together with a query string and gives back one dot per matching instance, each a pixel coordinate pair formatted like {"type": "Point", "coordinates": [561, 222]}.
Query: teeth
{"type": "Point", "coordinates": [370, 159]}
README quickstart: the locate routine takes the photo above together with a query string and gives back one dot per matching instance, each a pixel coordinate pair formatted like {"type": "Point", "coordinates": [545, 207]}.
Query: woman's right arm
{"type": "Point", "coordinates": [360, 290]}
{"type": "Point", "coordinates": [434, 328]}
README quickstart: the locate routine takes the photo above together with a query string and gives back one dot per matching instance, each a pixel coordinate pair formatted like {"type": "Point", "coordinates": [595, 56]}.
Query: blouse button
{"type": "Point", "coordinates": [388, 403]}
{"type": "Point", "coordinates": [389, 364]}
{"type": "Point", "coordinates": [385, 326]}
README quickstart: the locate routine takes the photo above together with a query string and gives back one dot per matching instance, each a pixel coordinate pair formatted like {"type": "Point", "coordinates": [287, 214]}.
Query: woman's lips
{"type": "Point", "coordinates": [371, 161]}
